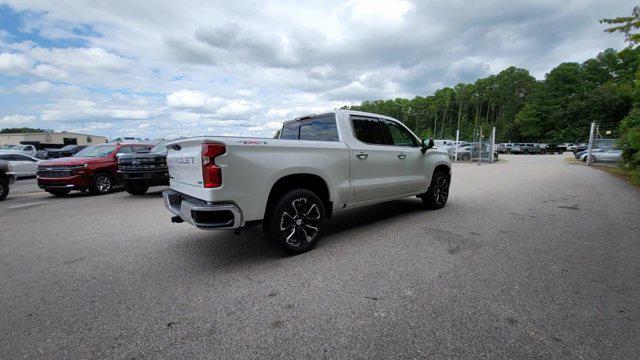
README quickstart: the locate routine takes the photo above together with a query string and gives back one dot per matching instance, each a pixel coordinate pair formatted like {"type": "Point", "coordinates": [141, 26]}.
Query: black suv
{"type": "Point", "coordinates": [141, 170]}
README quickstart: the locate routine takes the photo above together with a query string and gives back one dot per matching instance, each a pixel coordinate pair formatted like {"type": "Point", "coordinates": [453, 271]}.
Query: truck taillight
{"type": "Point", "coordinates": [211, 174]}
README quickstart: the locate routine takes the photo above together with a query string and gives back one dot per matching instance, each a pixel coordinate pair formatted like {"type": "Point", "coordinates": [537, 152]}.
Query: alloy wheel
{"type": "Point", "coordinates": [103, 183]}
{"type": "Point", "coordinates": [441, 190]}
{"type": "Point", "coordinates": [300, 222]}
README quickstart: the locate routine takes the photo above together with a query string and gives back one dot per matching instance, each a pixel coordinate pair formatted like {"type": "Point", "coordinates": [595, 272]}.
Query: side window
{"type": "Point", "coordinates": [290, 131]}
{"type": "Point", "coordinates": [125, 150]}
{"type": "Point", "coordinates": [22, 158]}
{"type": "Point", "coordinates": [4, 157]}
{"type": "Point", "coordinates": [140, 147]}
{"type": "Point", "coordinates": [319, 129]}
{"type": "Point", "coordinates": [397, 135]}
{"type": "Point", "coordinates": [368, 130]}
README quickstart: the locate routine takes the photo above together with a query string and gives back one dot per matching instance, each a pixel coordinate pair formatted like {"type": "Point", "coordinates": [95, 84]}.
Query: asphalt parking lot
{"type": "Point", "coordinates": [533, 257]}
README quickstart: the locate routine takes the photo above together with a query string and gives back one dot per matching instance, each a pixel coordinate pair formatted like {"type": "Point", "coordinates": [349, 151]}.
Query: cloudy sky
{"type": "Point", "coordinates": [143, 68]}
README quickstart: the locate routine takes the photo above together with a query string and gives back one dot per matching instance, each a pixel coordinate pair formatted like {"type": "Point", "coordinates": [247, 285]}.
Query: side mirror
{"type": "Point", "coordinates": [427, 144]}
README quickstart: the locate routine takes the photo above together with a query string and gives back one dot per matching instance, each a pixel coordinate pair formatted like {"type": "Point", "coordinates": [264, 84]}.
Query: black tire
{"type": "Point", "coordinates": [102, 183]}
{"type": "Point", "coordinates": [136, 187]}
{"type": "Point", "coordinates": [438, 193]}
{"type": "Point", "coordinates": [465, 157]}
{"type": "Point", "coordinates": [4, 188]}
{"type": "Point", "coordinates": [58, 192]}
{"type": "Point", "coordinates": [294, 223]}
{"type": "Point", "coordinates": [560, 152]}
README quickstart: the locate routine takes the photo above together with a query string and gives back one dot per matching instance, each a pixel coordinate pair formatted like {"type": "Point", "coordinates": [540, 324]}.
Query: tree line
{"type": "Point", "coordinates": [558, 108]}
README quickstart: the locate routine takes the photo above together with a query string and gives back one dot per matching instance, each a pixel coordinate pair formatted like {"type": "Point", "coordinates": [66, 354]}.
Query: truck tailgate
{"type": "Point", "coordinates": [184, 160]}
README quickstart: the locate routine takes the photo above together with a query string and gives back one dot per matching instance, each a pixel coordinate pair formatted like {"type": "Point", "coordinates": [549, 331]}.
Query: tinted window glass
{"type": "Point", "coordinates": [318, 129]}
{"type": "Point", "coordinates": [397, 135]}
{"type": "Point", "coordinates": [141, 147]}
{"type": "Point", "coordinates": [290, 131]}
{"type": "Point", "coordinates": [125, 150]}
{"type": "Point", "coordinates": [96, 151]}
{"type": "Point", "coordinates": [368, 131]}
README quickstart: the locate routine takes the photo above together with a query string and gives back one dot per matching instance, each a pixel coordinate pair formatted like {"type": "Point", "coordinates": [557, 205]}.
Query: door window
{"type": "Point", "coordinates": [397, 135]}
{"type": "Point", "coordinates": [368, 131]}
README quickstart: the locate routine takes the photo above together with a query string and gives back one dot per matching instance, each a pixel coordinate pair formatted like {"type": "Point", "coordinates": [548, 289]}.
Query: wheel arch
{"type": "Point", "coordinates": [311, 182]}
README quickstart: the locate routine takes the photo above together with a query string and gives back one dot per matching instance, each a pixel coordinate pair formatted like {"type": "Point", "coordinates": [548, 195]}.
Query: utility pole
{"type": "Point", "coordinates": [480, 147]}
{"type": "Point", "coordinates": [591, 133]}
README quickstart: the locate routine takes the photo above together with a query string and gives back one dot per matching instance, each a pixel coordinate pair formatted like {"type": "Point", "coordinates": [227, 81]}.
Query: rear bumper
{"type": "Point", "coordinates": [201, 214]}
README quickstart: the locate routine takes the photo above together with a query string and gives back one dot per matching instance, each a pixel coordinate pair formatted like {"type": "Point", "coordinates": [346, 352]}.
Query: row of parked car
{"type": "Point", "coordinates": [534, 148]}
{"type": "Point", "coordinates": [48, 153]}
{"type": "Point", "coordinates": [97, 168]}
{"type": "Point", "coordinates": [466, 150]}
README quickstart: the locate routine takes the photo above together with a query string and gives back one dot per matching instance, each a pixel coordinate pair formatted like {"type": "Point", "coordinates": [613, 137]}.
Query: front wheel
{"type": "Point", "coordinates": [136, 187]}
{"type": "Point", "coordinates": [438, 193]}
{"type": "Point", "coordinates": [295, 220]}
{"type": "Point", "coordinates": [4, 189]}
{"type": "Point", "coordinates": [102, 183]}
{"type": "Point", "coordinates": [465, 157]}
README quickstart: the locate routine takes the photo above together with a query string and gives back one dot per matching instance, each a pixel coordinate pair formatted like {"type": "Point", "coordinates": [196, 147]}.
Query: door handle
{"type": "Point", "coordinates": [362, 155]}
{"type": "Point", "coordinates": [402, 156]}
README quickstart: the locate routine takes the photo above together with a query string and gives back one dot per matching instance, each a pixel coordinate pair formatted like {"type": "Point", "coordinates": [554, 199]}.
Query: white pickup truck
{"type": "Point", "coordinates": [320, 164]}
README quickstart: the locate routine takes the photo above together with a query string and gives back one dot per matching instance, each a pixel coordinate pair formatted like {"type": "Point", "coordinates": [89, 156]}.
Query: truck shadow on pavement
{"type": "Point", "coordinates": [225, 249]}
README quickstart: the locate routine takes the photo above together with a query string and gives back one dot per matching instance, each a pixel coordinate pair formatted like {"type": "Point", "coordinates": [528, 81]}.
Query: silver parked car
{"type": "Point", "coordinates": [610, 155]}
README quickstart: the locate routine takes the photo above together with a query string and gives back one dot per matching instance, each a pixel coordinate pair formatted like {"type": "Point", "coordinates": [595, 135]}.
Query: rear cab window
{"type": "Point", "coordinates": [320, 128]}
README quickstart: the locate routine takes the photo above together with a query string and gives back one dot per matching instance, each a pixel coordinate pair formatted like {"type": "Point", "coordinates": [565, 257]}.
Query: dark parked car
{"type": "Point", "coordinates": [141, 170]}
{"type": "Point", "coordinates": [7, 177]}
{"type": "Point", "coordinates": [65, 151]}
{"type": "Point", "coordinates": [551, 149]}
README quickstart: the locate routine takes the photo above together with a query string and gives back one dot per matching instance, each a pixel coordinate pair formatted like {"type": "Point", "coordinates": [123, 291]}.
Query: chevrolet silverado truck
{"type": "Point", "coordinates": [320, 164]}
{"type": "Point", "coordinates": [7, 177]}
{"type": "Point", "coordinates": [94, 168]}
{"type": "Point", "coordinates": [141, 170]}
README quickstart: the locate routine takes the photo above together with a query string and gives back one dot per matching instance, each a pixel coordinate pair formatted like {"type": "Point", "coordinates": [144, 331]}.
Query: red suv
{"type": "Point", "coordinates": [94, 168]}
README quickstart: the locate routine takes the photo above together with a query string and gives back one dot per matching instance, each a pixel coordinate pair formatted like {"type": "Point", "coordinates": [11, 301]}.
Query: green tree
{"type": "Point", "coordinates": [628, 25]}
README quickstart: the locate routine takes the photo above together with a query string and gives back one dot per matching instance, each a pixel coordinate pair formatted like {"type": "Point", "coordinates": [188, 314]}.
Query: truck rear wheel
{"type": "Point", "coordinates": [438, 193]}
{"type": "Point", "coordinates": [294, 221]}
{"type": "Point", "coordinates": [136, 187]}
{"type": "Point", "coordinates": [4, 189]}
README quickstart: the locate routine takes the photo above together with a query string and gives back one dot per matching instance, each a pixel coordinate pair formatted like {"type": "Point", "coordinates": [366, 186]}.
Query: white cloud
{"type": "Point", "coordinates": [14, 64]}
{"type": "Point", "coordinates": [187, 99]}
{"type": "Point", "coordinates": [83, 59]}
{"type": "Point", "coordinates": [35, 87]}
{"type": "Point", "coordinates": [49, 72]}
{"type": "Point", "coordinates": [17, 120]}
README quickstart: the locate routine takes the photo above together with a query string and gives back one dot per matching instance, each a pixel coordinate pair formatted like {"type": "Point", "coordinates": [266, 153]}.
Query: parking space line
{"type": "Point", "coordinates": [28, 204]}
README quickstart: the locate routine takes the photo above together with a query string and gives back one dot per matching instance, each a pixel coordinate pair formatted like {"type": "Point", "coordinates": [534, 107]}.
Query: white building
{"type": "Point", "coordinates": [51, 139]}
